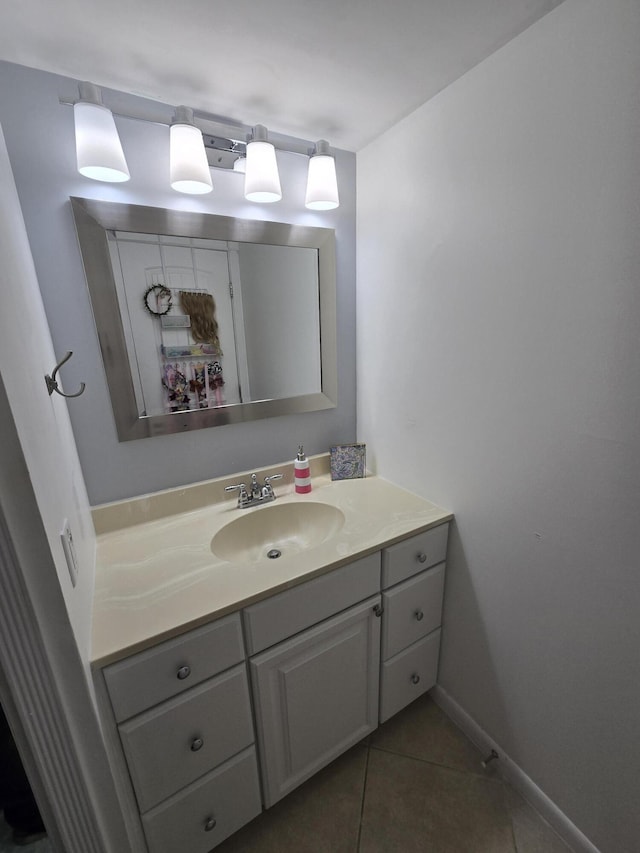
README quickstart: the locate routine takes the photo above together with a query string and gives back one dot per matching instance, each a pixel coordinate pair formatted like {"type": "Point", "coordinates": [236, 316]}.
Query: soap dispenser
{"type": "Point", "coordinates": [302, 475]}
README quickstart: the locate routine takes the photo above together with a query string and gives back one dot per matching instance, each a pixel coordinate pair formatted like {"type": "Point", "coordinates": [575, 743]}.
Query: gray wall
{"type": "Point", "coordinates": [40, 141]}
{"type": "Point", "coordinates": [499, 375]}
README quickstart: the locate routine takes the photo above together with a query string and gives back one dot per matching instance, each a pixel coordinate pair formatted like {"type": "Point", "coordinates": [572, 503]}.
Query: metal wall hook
{"type": "Point", "coordinates": [52, 385]}
{"type": "Point", "coordinates": [491, 757]}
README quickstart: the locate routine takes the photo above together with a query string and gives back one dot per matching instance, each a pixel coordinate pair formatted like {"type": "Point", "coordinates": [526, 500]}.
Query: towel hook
{"type": "Point", "coordinates": [52, 385]}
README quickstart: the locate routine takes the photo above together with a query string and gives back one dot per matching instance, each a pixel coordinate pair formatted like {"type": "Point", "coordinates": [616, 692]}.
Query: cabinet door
{"type": "Point", "coordinates": [316, 695]}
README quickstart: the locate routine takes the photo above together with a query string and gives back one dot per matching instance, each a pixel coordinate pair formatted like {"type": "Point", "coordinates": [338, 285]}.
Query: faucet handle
{"type": "Point", "coordinates": [243, 497]}
{"type": "Point", "coordinates": [267, 489]}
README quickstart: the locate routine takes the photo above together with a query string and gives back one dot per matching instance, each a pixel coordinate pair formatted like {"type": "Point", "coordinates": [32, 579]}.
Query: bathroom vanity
{"type": "Point", "coordinates": [224, 686]}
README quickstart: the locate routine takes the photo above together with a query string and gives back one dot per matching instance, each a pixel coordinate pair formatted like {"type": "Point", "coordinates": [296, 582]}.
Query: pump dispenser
{"type": "Point", "coordinates": [302, 475]}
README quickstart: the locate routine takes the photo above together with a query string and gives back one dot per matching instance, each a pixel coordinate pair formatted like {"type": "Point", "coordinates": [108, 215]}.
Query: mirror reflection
{"type": "Point", "coordinates": [210, 323]}
{"type": "Point", "coordinates": [206, 320]}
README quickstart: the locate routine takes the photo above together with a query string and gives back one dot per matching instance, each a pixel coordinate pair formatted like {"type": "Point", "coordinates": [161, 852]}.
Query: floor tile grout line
{"type": "Point", "coordinates": [364, 793]}
{"type": "Point", "coordinates": [437, 764]}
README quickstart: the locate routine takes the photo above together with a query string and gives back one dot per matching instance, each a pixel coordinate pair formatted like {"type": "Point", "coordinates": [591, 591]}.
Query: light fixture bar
{"type": "Point", "coordinates": [213, 145]}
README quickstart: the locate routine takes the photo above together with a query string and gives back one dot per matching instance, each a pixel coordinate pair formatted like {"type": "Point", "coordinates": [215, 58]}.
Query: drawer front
{"type": "Point", "coordinates": [204, 814]}
{"type": "Point", "coordinates": [148, 678]}
{"type": "Point", "coordinates": [413, 555]}
{"type": "Point", "coordinates": [412, 610]}
{"type": "Point", "coordinates": [179, 741]}
{"type": "Point", "coordinates": [408, 675]}
{"type": "Point", "coordinates": [290, 612]}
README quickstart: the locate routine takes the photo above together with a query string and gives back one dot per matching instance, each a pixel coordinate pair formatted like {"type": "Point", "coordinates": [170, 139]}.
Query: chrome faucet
{"type": "Point", "coordinates": [258, 494]}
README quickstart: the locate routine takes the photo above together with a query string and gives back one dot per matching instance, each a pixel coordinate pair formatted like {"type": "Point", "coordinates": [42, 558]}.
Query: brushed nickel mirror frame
{"type": "Point", "coordinates": [93, 219]}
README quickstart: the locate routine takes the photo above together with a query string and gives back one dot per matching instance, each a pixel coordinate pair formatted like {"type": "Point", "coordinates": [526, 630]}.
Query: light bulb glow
{"type": "Point", "coordinates": [322, 184]}
{"type": "Point", "coordinates": [262, 181]}
{"type": "Point", "coordinates": [98, 148]}
{"type": "Point", "coordinates": [188, 165]}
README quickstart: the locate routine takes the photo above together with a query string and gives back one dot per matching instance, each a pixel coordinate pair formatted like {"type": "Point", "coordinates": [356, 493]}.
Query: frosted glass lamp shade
{"type": "Point", "coordinates": [98, 148]}
{"type": "Point", "coordinates": [261, 180]}
{"type": "Point", "coordinates": [322, 184]}
{"type": "Point", "coordinates": [188, 165]}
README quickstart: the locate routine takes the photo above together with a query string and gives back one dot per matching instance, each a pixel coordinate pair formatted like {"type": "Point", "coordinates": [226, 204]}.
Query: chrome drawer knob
{"type": "Point", "coordinates": [422, 557]}
{"type": "Point", "coordinates": [419, 615]}
{"type": "Point", "coordinates": [415, 678]}
{"type": "Point", "coordinates": [184, 672]}
{"type": "Point", "coordinates": [210, 824]}
{"type": "Point", "coordinates": [196, 744]}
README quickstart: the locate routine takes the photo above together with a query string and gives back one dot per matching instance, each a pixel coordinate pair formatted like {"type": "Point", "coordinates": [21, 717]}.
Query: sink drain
{"type": "Point", "coordinates": [274, 553]}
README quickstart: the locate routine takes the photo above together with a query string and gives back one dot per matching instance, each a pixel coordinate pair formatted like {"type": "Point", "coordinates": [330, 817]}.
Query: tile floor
{"type": "Point", "coordinates": [415, 786]}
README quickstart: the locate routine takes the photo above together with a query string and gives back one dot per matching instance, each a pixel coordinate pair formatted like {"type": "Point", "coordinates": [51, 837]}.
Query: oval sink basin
{"type": "Point", "coordinates": [284, 528]}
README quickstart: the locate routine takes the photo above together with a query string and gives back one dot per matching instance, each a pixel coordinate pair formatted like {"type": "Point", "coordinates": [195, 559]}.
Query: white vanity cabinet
{"type": "Point", "coordinates": [413, 587]}
{"type": "Point", "coordinates": [184, 721]}
{"type": "Point", "coordinates": [326, 661]}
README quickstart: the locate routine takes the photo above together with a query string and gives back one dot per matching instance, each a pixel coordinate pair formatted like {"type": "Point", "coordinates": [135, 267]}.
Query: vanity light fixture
{"type": "Point", "coordinates": [98, 147]}
{"type": "Point", "coordinates": [261, 180]}
{"type": "Point", "coordinates": [188, 166]}
{"type": "Point", "coordinates": [197, 148]}
{"type": "Point", "coordinates": [322, 184]}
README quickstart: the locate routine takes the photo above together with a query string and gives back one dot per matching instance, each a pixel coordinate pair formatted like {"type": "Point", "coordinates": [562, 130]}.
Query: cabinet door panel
{"type": "Point", "coordinates": [412, 610]}
{"type": "Point", "coordinates": [163, 746]}
{"type": "Point", "coordinates": [207, 812]}
{"type": "Point", "coordinates": [408, 675]}
{"type": "Point", "coordinates": [316, 695]}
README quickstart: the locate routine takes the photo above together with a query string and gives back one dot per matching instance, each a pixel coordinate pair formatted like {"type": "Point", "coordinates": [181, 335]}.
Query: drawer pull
{"type": "Point", "coordinates": [210, 824]}
{"type": "Point", "coordinates": [419, 615]}
{"type": "Point", "coordinates": [184, 672]}
{"type": "Point", "coordinates": [196, 744]}
{"type": "Point", "coordinates": [415, 678]}
{"type": "Point", "coordinates": [422, 557]}
{"type": "Point", "coordinates": [378, 610]}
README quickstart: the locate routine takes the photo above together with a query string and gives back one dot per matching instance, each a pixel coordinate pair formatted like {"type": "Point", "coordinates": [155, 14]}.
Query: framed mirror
{"type": "Point", "coordinates": [205, 320]}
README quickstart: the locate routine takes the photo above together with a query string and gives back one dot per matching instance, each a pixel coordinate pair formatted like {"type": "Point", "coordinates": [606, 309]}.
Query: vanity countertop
{"type": "Point", "coordinates": [156, 575]}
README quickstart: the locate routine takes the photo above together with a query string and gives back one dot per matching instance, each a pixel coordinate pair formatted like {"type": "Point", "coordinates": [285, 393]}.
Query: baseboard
{"type": "Point", "coordinates": [514, 774]}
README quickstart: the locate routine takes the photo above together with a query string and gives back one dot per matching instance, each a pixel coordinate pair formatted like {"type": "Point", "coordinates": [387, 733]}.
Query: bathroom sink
{"type": "Point", "coordinates": [276, 530]}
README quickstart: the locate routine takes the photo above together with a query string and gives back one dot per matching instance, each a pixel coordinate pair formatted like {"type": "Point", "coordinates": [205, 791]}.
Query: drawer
{"type": "Point", "coordinates": [408, 675]}
{"type": "Point", "coordinates": [412, 610]}
{"type": "Point", "coordinates": [180, 740]}
{"type": "Point", "coordinates": [148, 678]}
{"type": "Point", "coordinates": [204, 814]}
{"type": "Point", "coordinates": [413, 555]}
{"type": "Point", "coordinates": [287, 613]}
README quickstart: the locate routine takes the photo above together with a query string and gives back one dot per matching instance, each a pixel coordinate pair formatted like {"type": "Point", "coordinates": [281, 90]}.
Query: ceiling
{"type": "Point", "coordinates": [344, 70]}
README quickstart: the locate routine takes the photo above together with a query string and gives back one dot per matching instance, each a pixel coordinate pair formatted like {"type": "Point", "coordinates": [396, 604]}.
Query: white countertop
{"type": "Point", "coordinates": [158, 577]}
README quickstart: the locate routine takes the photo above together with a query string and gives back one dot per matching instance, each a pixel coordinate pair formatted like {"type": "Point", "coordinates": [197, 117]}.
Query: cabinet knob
{"type": "Point", "coordinates": [422, 557]}
{"type": "Point", "coordinates": [196, 744]}
{"type": "Point", "coordinates": [184, 672]}
{"type": "Point", "coordinates": [209, 824]}
{"type": "Point", "coordinates": [419, 615]}
{"type": "Point", "coordinates": [415, 678]}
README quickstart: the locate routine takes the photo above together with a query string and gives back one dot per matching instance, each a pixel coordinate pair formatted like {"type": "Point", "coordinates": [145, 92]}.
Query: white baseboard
{"type": "Point", "coordinates": [514, 774]}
